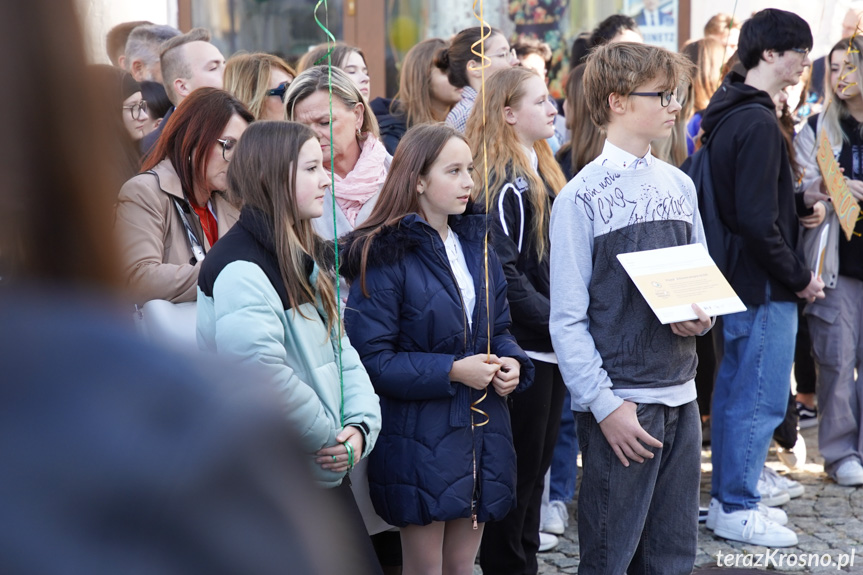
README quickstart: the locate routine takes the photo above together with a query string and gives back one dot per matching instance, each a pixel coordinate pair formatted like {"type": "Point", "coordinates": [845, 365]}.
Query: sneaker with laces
{"type": "Point", "coordinates": [547, 542]}
{"type": "Point", "coordinates": [771, 513]}
{"type": "Point", "coordinates": [849, 473]}
{"type": "Point", "coordinates": [554, 518]}
{"type": "Point", "coordinates": [794, 488]}
{"type": "Point", "coordinates": [750, 526]}
{"type": "Point", "coordinates": [806, 416]}
{"type": "Point", "coordinates": [771, 494]}
{"type": "Point", "coordinates": [795, 457]}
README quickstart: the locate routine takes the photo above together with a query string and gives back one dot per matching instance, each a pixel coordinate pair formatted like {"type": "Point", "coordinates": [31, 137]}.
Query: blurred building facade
{"type": "Point", "coordinates": [386, 29]}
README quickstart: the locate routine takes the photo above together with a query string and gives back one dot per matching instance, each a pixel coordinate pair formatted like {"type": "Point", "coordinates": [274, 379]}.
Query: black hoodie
{"type": "Point", "coordinates": [754, 190]}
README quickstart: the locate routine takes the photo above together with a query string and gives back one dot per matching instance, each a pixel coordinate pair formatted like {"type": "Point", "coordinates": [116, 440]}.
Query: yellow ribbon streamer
{"type": "Point", "coordinates": [485, 62]}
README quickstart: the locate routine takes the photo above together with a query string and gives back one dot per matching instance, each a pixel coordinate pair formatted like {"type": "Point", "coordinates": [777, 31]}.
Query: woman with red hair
{"type": "Point", "coordinates": [170, 215]}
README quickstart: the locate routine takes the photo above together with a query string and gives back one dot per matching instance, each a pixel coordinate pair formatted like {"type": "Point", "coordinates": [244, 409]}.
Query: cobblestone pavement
{"type": "Point", "coordinates": [828, 519]}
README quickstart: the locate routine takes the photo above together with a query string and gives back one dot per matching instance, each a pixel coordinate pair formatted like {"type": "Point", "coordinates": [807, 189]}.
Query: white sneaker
{"type": "Point", "coordinates": [849, 473]}
{"type": "Point", "coordinates": [547, 542]}
{"type": "Point", "coordinates": [794, 488]}
{"type": "Point", "coordinates": [771, 513]}
{"type": "Point", "coordinates": [771, 494]}
{"type": "Point", "coordinates": [554, 518]}
{"type": "Point", "coordinates": [750, 526]}
{"type": "Point", "coordinates": [793, 458]}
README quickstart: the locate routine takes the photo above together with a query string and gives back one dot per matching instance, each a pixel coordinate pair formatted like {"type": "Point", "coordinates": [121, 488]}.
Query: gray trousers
{"type": "Point", "coordinates": [641, 519]}
{"type": "Point", "coordinates": [835, 327]}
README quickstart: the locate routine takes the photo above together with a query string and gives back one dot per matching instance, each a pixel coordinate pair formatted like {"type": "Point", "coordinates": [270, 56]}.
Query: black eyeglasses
{"type": "Point", "coordinates": [137, 111]}
{"type": "Point", "coordinates": [804, 51]}
{"type": "Point", "coordinates": [279, 90]}
{"type": "Point", "coordinates": [665, 96]}
{"type": "Point", "coordinates": [228, 145]}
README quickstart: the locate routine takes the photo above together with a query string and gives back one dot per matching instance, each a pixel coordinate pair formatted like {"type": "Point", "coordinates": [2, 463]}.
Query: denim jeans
{"type": "Point", "coordinates": [641, 519]}
{"type": "Point", "coordinates": [750, 398]}
{"type": "Point", "coordinates": [564, 464]}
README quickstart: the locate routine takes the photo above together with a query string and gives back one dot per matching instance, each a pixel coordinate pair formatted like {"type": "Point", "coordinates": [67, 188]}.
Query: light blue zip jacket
{"type": "Point", "coordinates": [242, 314]}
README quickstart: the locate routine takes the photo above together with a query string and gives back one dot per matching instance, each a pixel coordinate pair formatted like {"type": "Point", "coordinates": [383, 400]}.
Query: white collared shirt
{"type": "Point", "coordinates": [621, 159]}
{"type": "Point", "coordinates": [534, 159]}
{"type": "Point", "coordinates": [458, 264]}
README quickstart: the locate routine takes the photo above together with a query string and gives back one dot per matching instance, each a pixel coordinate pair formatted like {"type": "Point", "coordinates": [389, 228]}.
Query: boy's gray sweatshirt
{"type": "Point", "coordinates": [609, 344]}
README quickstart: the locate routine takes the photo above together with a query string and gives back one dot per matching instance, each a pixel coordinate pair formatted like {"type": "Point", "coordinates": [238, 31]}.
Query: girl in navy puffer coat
{"type": "Point", "coordinates": [419, 317]}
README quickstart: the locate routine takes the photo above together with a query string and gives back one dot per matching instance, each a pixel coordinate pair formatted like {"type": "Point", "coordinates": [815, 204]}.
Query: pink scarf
{"type": "Point", "coordinates": [364, 181]}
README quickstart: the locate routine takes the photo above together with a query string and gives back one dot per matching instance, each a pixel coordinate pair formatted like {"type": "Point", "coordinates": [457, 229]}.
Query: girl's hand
{"type": "Point", "coordinates": [856, 187]}
{"type": "Point", "coordinates": [506, 379]}
{"type": "Point", "coordinates": [474, 371]}
{"type": "Point", "coordinates": [336, 458]}
{"type": "Point", "coordinates": [815, 218]}
{"type": "Point", "coordinates": [816, 193]}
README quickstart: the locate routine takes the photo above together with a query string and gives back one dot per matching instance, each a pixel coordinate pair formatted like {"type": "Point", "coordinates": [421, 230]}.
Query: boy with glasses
{"type": "Point", "coordinates": [756, 201]}
{"type": "Point", "coordinates": [632, 379]}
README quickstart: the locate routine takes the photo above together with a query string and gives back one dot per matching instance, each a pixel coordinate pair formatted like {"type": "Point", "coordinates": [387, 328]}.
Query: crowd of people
{"type": "Point", "coordinates": [426, 287]}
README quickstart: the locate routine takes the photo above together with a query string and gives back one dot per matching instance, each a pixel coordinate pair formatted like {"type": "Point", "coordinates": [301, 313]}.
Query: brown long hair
{"type": "Point", "coordinates": [56, 193]}
{"type": "Point", "coordinates": [459, 53]}
{"type": "Point", "coordinates": [414, 97]}
{"type": "Point", "coordinates": [586, 139]}
{"type": "Point", "coordinates": [504, 150]}
{"type": "Point", "coordinates": [340, 55]}
{"type": "Point", "coordinates": [263, 172]}
{"type": "Point", "coordinates": [707, 56]}
{"type": "Point", "coordinates": [191, 132]}
{"type": "Point", "coordinates": [417, 151]}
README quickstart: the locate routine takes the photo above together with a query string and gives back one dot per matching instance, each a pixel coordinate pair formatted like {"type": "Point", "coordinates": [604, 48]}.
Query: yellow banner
{"type": "Point", "coordinates": [844, 203]}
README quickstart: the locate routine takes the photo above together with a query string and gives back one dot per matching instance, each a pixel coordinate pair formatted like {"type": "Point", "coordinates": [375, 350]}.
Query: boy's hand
{"type": "Point", "coordinates": [815, 289]}
{"type": "Point", "coordinates": [692, 326]}
{"type": "Point", "coordinates": [625, 435]}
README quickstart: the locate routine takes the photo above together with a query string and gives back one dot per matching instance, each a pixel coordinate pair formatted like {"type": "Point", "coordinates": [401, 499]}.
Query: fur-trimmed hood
{"type": "Point", "coordinates": [392, 243]}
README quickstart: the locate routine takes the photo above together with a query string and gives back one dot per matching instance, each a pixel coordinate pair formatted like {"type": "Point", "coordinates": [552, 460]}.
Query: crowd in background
{"type": "Point", "coordinates": [332, 246]}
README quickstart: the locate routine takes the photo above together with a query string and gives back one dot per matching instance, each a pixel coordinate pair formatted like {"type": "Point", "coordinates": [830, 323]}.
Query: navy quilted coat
{"type": "Point", "coordinates": [408, 332]}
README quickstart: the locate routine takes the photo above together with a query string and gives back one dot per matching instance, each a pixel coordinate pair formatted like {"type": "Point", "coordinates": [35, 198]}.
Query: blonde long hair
{"type": "Point", "coordinates": [836, 109]}
{"type": "Point", "coordinates": [504, 150]}
{"type": "Point", "coordinates": [247, 77]}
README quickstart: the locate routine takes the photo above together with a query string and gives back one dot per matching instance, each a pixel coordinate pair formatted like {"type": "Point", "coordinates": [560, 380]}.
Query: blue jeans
{"type": "Point", "coordinates": [642, 518]}
{"type": "Point", "coordinates": [564, 463]}
{"type": "Point", "coordinates": [750, 398]}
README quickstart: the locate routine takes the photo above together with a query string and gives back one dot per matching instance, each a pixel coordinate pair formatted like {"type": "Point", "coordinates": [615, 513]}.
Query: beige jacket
{"type": "Point", "coordinates": [153, 242]}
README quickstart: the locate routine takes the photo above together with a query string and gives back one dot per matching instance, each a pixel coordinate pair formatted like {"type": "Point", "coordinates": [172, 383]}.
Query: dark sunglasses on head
{"type": "Point", "coordinates": [279, 90]}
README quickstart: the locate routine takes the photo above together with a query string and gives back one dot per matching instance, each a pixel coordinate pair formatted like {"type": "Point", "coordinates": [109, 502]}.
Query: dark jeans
{"type": "Point", "coordinates": [564, 463]}
{"type": "Point", "coordinates": [804, 364]}
{"type": "Point", "coordinates": [641, 519]}
{"type": "Point", "coordinates": [509, 546]}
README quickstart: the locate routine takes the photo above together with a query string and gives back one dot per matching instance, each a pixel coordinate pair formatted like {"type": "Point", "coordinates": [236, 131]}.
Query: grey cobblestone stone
{"type": "Point", "coordinates": [828, 518]}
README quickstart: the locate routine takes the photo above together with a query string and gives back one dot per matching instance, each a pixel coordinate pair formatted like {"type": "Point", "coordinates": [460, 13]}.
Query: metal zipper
{"type": "Point", "coordinates": [474, 495]}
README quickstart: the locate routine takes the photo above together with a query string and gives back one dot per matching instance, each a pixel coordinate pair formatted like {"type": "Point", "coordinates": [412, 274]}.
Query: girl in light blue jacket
{"type": "Point", "coordinates": [264, 300]}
